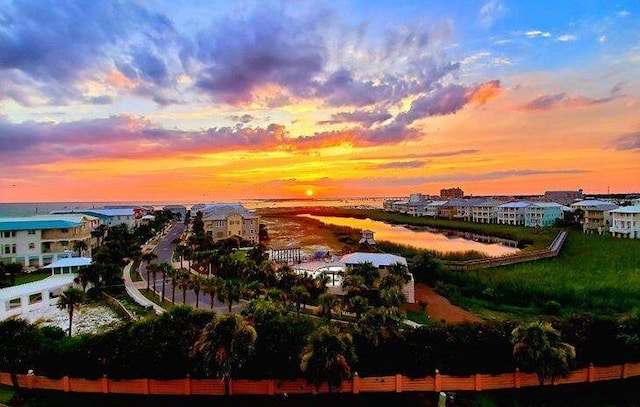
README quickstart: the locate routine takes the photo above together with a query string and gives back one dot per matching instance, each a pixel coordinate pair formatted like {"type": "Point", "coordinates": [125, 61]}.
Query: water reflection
{"type": "Point", "coordinates": [420, 238]}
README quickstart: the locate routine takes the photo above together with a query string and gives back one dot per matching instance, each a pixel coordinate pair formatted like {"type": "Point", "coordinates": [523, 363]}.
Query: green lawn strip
{"type": "Point", "coordinates": [135, 273]}
{"type": "Point", "coordinates": [152, 296]}
{"type": "Point", "coordinates": [31, 277]}
{"type": "Point", "coordinates": [419, 317]}
{"type": "Point", "coordinates": [131, 305]}
{"type": "Point", "coordinates": [592, 274]}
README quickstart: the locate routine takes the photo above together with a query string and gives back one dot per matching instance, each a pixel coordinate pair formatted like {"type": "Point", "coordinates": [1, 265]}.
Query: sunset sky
{"type": "Point", "coordinates": [202, 101]}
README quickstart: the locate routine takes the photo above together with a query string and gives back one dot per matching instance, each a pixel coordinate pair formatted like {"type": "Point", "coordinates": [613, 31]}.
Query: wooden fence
{"type": "Point", "coordinates": [467, 265]}
{"type": "Point", "coordinates": [270, 387]}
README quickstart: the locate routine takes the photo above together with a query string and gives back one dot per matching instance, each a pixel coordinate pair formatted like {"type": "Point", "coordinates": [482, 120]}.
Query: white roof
{"type": "Point", "coordinates": [150, 217]}
{"type": "Point", "coordinates": [377, 259]}
{"type": "Point", "coordinates": [515, 205]}
{"type": "Point", "coordinates": [314, 266]}
{"type": "Point", "coordinates": [627, 209]}
{"type": "Point", "coordinates": [69, 262]}
{"type": "Point", "coordinates": [437, 203]}
{"type": "Point", "coordinates": [594, 204]}
{"type": "Point", "coordinates": [48, 284]}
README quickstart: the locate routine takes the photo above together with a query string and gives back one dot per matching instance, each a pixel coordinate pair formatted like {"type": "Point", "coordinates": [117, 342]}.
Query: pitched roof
{"type": "Point", "coordinates": [627, 209]}
{"type": "Point", "coordinates": [69, 262]}
{"type": "Point", "coordinates": [594, 205]}
{"type": "Point", "coordinates": [377, 259]}
{"type": "Point", "coordinates": [223, 210]}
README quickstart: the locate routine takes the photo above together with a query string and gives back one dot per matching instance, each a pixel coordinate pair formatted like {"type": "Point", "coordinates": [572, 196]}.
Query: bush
{"type": "Point", "coordinates": [552, 308]}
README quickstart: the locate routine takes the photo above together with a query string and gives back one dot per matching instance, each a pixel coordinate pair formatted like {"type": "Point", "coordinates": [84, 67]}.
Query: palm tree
{"type": "Point", "coordinates": [80, 246]}
{"type": "Point", "coordinates": [173, 274]}
{"type": "Point", "coordinates": [197, 281]}
{"type": "Point", "coordinates": [211, 286]}
{"type": "Point", "coordinates": [180, 250]}
{"type": "Point", "coordinates": [69, 300]}
{"type": "Point", "coordinates": [20, 344]}
{"type": "Point", "coordinates": [86, 275]}
{"type": "Point", "coordinates": [326, 302]}
{"type": "Point", "coordinates": [12, 270]}
{"type": "Point", "coordinates": [299, 295]}
{"type": "Point", "coordinates": [225, 345]}
{"type": "Point", "coordinates": [380, 324]}
{"type": "Point", "coordinates": [148, 258]}
{"type": "Point", "coordinates": [184, 282]}
{"type": "Point", "coordinates": [538, 347]}
{"type": "Point", "coordinates": [368, 271]}
{"type": "Point", "coordinates": [152, 271]}
{"type": "Point", "coordinates": [358, 305]}
{"type": "Point", "coordinates": [166, 270]}
{"type": "Point", "coordinates": [328, 356]}
{"type": "Point", "coordinates": [230, 291]}
{"type": "Point", "coordinates": [393, 297]}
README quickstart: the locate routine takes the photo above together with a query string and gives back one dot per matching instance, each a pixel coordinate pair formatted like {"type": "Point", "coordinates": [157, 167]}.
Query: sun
{"type": "Point", "coordinates": [309, 192]}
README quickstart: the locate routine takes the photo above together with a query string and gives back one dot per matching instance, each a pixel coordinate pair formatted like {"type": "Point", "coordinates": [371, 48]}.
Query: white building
{"type": "Point", "coordinates": [40, 240]}
{"type": "Point", "coordinates": [512, 213]}
{"type": "Point", "coordinates": [596, 215]}
{"type": "Point", "coordinates": [625, 222]}
{"type": "Point", "coordinates": [224, 220]}
{"type": "Point", "coordinates": [485, 211]}
{"type": "Point", "coordinates": [23, 298]}
{"type": "Point", "coordinates": [432, 209]}
{"type": "Point", "coordinates": [108, 217]}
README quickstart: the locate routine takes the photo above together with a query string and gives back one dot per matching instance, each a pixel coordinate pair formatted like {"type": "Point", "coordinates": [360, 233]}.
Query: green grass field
{"type": "Point", "coordinates": [592, 274]}
{"type": "Point", "coordinates": [31, 277]}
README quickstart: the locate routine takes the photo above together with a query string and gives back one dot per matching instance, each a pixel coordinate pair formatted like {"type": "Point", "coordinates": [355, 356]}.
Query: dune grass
{"type": "Point", "coordinates": [592, 274]}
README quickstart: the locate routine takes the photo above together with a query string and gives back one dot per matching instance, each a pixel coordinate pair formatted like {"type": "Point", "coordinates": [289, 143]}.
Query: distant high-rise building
{"type": "Point", "coordinates": [451, 193]}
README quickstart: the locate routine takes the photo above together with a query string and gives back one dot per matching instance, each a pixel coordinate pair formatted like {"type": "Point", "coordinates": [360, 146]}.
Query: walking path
{"type": "Point", "coordinates": [133, 289]}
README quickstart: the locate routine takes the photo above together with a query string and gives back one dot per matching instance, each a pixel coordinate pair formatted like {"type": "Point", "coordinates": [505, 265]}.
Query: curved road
{"type": "Point", "coordinates": [164, 251]}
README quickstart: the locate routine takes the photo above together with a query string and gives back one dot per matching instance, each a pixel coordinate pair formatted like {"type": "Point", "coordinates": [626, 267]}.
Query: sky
{"type": "Point", "coordinates": [215, 100]}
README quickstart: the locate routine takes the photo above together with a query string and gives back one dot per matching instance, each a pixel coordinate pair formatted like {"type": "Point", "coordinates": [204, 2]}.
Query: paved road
{"type": "Point", "coordinates": [164, 251]}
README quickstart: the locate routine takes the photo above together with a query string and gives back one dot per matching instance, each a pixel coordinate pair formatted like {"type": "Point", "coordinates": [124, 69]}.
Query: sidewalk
{"type": "Point", "coordinates": [133, 289]}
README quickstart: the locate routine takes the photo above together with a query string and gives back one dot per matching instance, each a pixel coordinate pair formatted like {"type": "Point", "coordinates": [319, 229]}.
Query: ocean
{"type": "Point", "coordinates": [43, 208]}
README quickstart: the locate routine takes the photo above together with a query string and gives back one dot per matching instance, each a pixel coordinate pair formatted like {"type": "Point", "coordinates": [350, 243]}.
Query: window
{"type": "Point", "coordinates": [7, 249]}
{"type": "Point", "coordinates": [32, 246]}
{"type": "Point", "coordinates": [32, 232]}
{"type": "Point", "coordinates": [64, 230]}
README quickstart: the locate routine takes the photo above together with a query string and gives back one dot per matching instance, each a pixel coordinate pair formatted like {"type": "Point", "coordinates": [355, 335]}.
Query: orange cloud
{"type": "Point", "coordinates": [485, 92]}
{"type": "Point", "coordinates": [117, 79]}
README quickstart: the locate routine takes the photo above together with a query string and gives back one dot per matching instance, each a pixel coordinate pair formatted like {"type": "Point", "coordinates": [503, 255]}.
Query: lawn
{"type": "Point", "coordinates": [418, 316]}
{"type": "Point", "coordinates": [31, 277]}
{"type": "Point", "coordinates": [152, 296]}
{"type": "Point", "coordinates": [592, 274]}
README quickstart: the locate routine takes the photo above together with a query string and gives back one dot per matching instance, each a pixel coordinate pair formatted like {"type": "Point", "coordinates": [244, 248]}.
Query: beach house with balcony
{"type": "Point", "coordinates": [596, 215]}
{"type": "Point", "coordinates": [512, 213]}
{"type": "Point", "coordinates": [40, 240]}
{"type": "Point", "coordinates": [224, 220]}
{"type": "Point", "coordinates": [543, 214]}
{"type": "Point", "coordinates": [625, 222]}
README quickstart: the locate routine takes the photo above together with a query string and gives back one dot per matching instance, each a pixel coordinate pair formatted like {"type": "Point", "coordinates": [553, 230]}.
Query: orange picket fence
{"type": "Point", "coordinates": [397, 383]}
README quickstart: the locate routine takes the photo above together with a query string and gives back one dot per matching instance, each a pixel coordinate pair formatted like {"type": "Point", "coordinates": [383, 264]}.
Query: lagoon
{"type": "Point", "coordinates": [422, 238]}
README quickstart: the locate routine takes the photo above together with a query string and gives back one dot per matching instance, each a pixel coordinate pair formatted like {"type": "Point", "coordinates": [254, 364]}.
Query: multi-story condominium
{"type": "Point", "coordinates": [596, 215]}
{"type": "Point", "coordinates": [432, 209]}
{"type": "Point", "coordinates": [485, 211]}
{"type": "Point", "coordinates": [451, 193]}
{"type": "Point", "coordinates": [40, 240]}
{"type": "Point", "coordinates": [625, 222]}
{"type": "Point", "coordinates": [224, 220]}
{"type": "Point", "coordinates": [543, 214]}
{"type": "Point", "coordinates": [512, 213]}
{"type": "Point", "coordinates": [109, 217]}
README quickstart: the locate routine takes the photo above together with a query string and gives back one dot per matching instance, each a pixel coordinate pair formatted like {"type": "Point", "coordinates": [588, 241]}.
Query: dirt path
{"type": "Point", "coordinates": [439, 308]}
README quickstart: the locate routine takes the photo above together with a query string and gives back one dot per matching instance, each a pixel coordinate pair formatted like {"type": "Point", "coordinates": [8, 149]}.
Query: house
{"type": "Point", "coordinates": [108, 217]}
{"type": "Point", "coordinates": [224, 220]}
{"type": "Point", "coordinates": [596, 215]}
{"type": "Point", "coordinates": [625, 222]}
{"type": "Point", "coordinates": [432, 209]}
{"type": "Point", "coordinates": [485, 211]}
{"type": "Point", "coordinates": [459, 209]}
{"type": "Point", "coordinates": [40, 240]}
{"type": "Point", "coordinates": [512, 213]}
{"type": "Point", "coordinates": [543, 214]}
{"type": "Point", "coordinates": [68, 265]}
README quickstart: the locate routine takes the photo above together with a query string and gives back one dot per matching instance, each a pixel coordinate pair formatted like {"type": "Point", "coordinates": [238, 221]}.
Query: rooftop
{"type": "Point", "coordinates": [38, 223]}
{"type": "Point", "coordinates": [377, 259]}
{"type": "Point", "coordinates": [70, 262]}
{"type": "Point", "coordinates": [627, 209]}
{"type": "Point", "coordinates": [594, 204]}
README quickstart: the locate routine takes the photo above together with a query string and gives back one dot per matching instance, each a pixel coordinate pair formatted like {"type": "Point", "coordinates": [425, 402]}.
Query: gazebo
{"type": "Point", "coordinates": [68, 265]}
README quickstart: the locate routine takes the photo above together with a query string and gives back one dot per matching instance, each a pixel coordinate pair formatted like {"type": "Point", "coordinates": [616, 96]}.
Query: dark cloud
{"type": "Point", "coordinates": [546, 102]}
{"type": "Point", "coordinates": [57, 44]}
{"type": "Point", "coordinates": [99, 100]}
{"type": "Point", "coordinates": [245, 118]}
{"type": "Point", "coordinates": [629, 141]}
{"type": "Point", "coordinates": [401, 165]}
{"type": "Point", "coordinates": [266, 48]}
{"type": "Point", "coordinates": [366, 118]}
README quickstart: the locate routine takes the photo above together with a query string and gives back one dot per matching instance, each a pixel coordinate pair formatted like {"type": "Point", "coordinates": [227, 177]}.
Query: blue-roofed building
{"type": "Point", "coordinates": [108, 217]}
{"type": "Point", "coordinates": [38, 241]}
